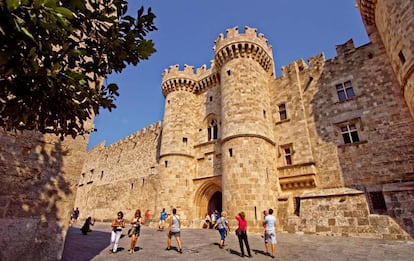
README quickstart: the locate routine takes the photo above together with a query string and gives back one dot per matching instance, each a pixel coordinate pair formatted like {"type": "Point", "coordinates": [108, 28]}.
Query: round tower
{"type": "Point", "coordinates": [246, 68]}
{"type": "Point", "coordinates": [176, 149]}
{"type": "Point", "coordinates": [392, 22]}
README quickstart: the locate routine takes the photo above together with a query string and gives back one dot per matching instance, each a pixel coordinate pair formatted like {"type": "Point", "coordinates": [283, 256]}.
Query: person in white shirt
{"type": "Point", "coordinates": [270, 234]}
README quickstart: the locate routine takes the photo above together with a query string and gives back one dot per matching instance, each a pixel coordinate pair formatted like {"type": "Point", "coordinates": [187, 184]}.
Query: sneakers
{"type": "Point", "coordinates": [168, 249]}
{"type": "Point", "coordinates": [180, 251]}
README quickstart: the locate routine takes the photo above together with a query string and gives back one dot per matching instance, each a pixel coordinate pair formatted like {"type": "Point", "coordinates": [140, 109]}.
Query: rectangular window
{"type": "Point", "coordinates": [349, 133]}
{"type": "Point", "coordinates": [345, 91]}
{"type": "Point", "coordinates": [287, 151]}
{"type": "Point", "coordinates": [376, 202]}
{"type": "Point", "coordinates": [282, 111]}
{"type": "Point", "coordinates": [288, 156]}
{"type": "Point", "coordinates": [296, 205]}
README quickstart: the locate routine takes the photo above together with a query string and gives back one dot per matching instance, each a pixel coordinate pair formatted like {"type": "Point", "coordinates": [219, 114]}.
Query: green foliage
{"type": "Point", "coordinates": [55, 55]}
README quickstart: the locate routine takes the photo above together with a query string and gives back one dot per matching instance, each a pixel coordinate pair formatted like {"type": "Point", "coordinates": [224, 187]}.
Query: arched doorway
{"type": "Point", "coordinates": [208, 197]}
{"type": "Point", "coordinates": [215, 203]}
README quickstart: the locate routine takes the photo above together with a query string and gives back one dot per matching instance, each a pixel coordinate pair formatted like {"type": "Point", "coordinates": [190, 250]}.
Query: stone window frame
{"type": "Point", "coordinates": [345, 90]}
{"type": "Point", "coordinates": [350, 128]}
{"type": "Point", "coordinates": [282, 110]}
{"type": "Point", "coordinates": [212, 129]}
{"type": "Point", "coordinates": [376, 202]}
{"type": "Point", "coordinates": [287, 153]}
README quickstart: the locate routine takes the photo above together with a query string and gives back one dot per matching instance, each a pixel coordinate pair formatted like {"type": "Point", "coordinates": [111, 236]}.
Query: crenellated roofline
{"type": "Point", "coordinates": [186, 80]}
{"type": "Point", "coordinates": [235, 45]}
{"type": "Point", "coordinates": [247, 45]}
{"type": "Point", "coordinates": [367, 9]}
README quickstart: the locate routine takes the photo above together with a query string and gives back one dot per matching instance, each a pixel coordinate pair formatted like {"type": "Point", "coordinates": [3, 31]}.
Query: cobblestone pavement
{"type": "Point", "coordinates": [202, 244]}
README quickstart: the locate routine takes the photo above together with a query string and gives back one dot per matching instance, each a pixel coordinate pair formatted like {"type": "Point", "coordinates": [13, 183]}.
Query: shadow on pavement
{"type": "Point", "coordinates": [84, 247]}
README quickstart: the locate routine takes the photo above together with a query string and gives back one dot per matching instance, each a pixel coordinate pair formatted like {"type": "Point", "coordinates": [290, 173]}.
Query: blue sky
{"type": "Point", "coordinates": [186, 33]}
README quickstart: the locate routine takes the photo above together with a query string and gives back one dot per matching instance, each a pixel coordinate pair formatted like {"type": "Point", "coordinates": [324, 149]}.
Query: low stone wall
{"type": "Point", "coordinates": [343, 212]}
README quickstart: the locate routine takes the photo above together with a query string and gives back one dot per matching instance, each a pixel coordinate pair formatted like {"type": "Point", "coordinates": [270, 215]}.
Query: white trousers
{"type": "Point", "coordinates": [115, 236]}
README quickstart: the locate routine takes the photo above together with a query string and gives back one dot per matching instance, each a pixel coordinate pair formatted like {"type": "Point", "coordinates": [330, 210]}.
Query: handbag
{"type": "Point", "coordinates": [239, 232]}
{"type": "Point", "coordinates": [131, 231]}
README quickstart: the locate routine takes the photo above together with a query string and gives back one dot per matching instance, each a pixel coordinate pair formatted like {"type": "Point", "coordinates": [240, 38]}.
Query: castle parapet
{"type": "Point", "coordinates": [173, 79]}
{"type": "Point", "coordinates": [367, 8]}
{"type": "Point", "coordinates": [315, 63]}
{"type": "Point", "coordinates": [249, 45]}
{"type": "Point", "coordinates": [346, 48]}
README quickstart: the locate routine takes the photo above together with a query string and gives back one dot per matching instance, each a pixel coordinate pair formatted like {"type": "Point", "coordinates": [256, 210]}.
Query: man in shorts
{"type": "Point", "coordinates": [270, 234]}
{"type": "Point", "coordinates": [174, 230]}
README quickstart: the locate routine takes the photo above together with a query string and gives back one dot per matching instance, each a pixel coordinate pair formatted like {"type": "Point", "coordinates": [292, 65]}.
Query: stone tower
{"type": "Point", "coordinates": [391, 24]}
{"type": "Point", "coordinates": [176, 152]}
{"type": "Point", "coordinates": [245, 65]}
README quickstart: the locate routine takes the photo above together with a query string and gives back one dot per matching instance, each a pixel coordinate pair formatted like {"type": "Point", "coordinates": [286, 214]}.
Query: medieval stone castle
{"type": "Point", "coordinates": [329, 145]}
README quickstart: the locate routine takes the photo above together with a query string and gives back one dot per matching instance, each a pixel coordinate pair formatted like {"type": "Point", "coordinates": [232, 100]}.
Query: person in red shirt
{"type": "Point", "coordinates": [241, 233]}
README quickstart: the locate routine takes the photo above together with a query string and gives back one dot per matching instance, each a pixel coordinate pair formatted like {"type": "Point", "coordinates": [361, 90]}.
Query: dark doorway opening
{"type": "Point", "coordinates": [215, 203]}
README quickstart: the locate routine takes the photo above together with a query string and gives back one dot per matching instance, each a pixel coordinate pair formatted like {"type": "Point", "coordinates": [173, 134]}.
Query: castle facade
{"type": "Point", "coordinates": [329, 144]}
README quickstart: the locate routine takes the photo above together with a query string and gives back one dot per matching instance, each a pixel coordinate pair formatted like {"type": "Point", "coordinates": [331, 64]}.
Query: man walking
{"type": "Point", "coordinates": [174, 230]}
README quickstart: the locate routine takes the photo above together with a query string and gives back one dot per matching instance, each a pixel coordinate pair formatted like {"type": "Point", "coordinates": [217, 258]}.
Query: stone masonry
{"type": "Point", "coordinates": [329, 144]}
{"type": "Point", "coordinates": [39, 178]}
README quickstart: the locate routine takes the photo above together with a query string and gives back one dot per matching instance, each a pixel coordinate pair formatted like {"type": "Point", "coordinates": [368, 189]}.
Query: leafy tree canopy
{"type": "Point", "coordinates": [55, 54]}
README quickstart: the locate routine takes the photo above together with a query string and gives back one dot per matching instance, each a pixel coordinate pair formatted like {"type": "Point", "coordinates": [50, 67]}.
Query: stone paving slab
{"type": "Point", "coordinates": [202, 244]}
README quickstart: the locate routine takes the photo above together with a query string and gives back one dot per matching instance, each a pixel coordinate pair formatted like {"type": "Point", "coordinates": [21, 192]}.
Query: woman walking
{"type": "Point", "coordinates": [136, 222]}
{"type": "Point", "coordinates": [241, 233]}
{"type": "Point", "coordinates": [223, 226]}
{"type": "Point", "coordinates": [117, 224]}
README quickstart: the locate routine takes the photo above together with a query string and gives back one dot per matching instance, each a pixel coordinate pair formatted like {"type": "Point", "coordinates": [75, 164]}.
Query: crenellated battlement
{"type": "Point", "coordinates": [154, 128]}
{"type": "Point", "coordinates": [174, 79]}
{"type": "Point", "coordinates": [315, 63]}
{"type": "Point", "coordinates": [367, 8]}
{"type": "Point", "coordinates": [248, 45]}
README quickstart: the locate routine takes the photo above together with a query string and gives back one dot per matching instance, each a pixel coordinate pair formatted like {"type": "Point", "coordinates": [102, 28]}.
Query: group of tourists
{"type": "Point", "coordinates": [217, 221]}
{"type": "Point", "coordinates": [221, 223]}
{"type": "Point", "coordinates": [137, 220]}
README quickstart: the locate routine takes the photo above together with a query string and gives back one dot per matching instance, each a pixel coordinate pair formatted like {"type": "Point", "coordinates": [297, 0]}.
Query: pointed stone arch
{"type": "Point", "coordinates": [211, 124]}
{"type": "Point", "coordinates": [207, 195]}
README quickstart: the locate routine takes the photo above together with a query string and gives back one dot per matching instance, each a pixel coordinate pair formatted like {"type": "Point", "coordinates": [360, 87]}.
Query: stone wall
{"type": "Point", "coordinates": [122, 176]}
{"type": "Point", "coordinates": [38, 178]}
{"type": "Point", "coordinates": [343, 212]}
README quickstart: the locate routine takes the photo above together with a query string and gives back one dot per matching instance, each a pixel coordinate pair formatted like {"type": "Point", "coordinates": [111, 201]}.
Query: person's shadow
{"type": "Point", "coordinates": [261, 252]}
{"type": "Point", "coordinates": [234, 252]}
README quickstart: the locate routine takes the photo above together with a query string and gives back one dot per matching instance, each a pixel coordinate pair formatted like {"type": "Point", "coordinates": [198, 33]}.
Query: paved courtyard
{"type": "Point", "coordinates": [202, 244]}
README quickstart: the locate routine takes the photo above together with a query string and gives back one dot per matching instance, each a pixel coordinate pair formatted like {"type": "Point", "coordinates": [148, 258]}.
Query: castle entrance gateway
{"type": "Point", "coordinates": [215, 203]}
{"type": "Point", "coordinates": [208, 197]}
